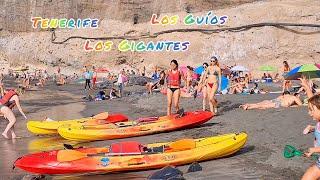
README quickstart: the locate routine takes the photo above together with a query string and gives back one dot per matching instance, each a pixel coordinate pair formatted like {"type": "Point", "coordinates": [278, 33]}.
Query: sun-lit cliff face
{"type": "Point", "coordinates": [20, 44]}
{"type": "Point", "coordinates": [139, 11]}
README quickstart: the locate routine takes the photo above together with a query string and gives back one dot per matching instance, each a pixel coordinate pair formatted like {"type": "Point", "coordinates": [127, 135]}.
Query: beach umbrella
{"type": "Point", "coordinates": [199, 70]}
{"type": "Point", "coordinates": [224, 83]}
{"type": "Point", "coordinates": [309, 70]}
{"type": "Point", "coordinates": [267, 68]}
{"type": "Point", "coordinates": [21, 69]}
{"type": "Point", "coordinates": [183, 69]}
{"type": "Point", "coordinates": [102, 70]}
{"type": "Point", "coordinates": [239, 69]}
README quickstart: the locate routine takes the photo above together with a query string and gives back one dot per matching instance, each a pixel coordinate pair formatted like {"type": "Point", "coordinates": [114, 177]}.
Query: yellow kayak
{"type": "Point", "coordinates": [132, 156]}
{"type": "Point", "coordinates": [51, 127]}
{"type": "Point", "coordinates": [48, 143]}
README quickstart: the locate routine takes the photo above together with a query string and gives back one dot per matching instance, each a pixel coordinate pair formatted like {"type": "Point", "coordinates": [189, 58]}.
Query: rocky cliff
{"type": "Point", "coordinates": [250, 47]}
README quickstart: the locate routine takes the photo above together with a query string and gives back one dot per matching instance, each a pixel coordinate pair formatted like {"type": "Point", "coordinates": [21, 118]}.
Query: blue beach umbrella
{"type": "Point", "coordinates": [199, 70]}
{"type": "Point", "coordinates": [224, 83]}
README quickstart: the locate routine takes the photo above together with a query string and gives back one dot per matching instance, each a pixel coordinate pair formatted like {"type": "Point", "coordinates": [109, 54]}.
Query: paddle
{"type": "Point", "coordinates": [72, 155]}
{"type": "Point", "coordinates": [290, 151]}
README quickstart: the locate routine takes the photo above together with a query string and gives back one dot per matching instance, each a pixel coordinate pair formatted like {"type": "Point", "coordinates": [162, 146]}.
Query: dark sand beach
{"type": "Point", "coordinates": [261, 158]}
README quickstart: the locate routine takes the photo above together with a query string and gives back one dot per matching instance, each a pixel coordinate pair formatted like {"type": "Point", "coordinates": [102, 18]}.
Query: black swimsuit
{"type": "Point", "coordinates": [173, 89]}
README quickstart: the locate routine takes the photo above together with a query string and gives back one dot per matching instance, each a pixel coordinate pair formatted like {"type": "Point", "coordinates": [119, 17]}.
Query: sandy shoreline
{"type": "Point", "coordinates": [261, 158]}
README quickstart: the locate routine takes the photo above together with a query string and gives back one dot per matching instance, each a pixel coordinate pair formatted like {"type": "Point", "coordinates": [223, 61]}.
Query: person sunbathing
{"type": "Point", "coordinates": [113, 94]}
{"type": "Point", "coordinates": [237, 87]}
{"type": "Point", "coordinates": [285, 100]}
{"type": "Point", "coordinates": [157, 83]}
{"type": "Point", "coordinates": [276, 78]}
{"type": "Point", "coordinates": [61, 81]}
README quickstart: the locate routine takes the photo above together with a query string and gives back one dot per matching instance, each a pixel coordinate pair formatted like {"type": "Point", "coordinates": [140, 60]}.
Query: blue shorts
{"type": "Point", "coordinates": [120, 86]}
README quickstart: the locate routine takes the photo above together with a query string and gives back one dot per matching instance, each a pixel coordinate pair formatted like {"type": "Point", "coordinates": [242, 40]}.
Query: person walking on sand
{"type": "Point", "coordinates": [201, 86]}
{"type": "Point", "coordinates": [213, 83]}
{"type": "Point", "coordinates": [173, 76]}
{"type": "Point", "coordinates": [121, 80]}
{"type": "Point", "coordinates": [94, 77]}
{"type": "Point", "coordinates": [189, 78]}
{"type": "Point", "coordinates": [8, 98]}
{"type": "Point", "coordinates": [87, 76]}
{"type": "Point", "coordinates": [286, 83]}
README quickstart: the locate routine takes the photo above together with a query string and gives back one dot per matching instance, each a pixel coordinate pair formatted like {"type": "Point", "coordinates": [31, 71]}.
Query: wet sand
{"type": "Point", "coordinates": [261, 158]}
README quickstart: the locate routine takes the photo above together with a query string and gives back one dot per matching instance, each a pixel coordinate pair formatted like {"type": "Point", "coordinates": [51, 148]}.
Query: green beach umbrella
{"type": "Point", "coordinates": [309, 70]}
{"type": "Point", "coordinates": [267, 68]}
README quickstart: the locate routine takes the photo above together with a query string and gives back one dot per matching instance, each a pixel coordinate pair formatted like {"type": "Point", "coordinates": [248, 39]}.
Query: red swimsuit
{"type": "Point", "coordinates": [174, 79]}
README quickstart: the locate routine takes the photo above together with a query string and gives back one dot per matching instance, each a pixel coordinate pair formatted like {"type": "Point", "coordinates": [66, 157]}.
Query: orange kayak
{"type": "Point", "coordinates": [162, 124]}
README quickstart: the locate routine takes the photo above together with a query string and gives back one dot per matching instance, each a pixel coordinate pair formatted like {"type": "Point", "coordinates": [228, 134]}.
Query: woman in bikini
{"type": "Point", "coordinates": [286, 83]}
{"type": "Point", "coordinates": [173, 83]}
{"type": "Point", "coordinates": [213, 82]}
{"type": "Point", "coordinates": [285, 100]}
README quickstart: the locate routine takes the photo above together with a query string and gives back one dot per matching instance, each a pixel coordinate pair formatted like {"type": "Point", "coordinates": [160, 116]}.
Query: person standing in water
{"type": "Point", "coordinates": [173, 77]}
{"type": "Point", "coordinates": [213, 83]}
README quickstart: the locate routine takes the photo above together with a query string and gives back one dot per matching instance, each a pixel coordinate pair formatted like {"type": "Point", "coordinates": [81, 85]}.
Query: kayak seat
{"type": "Point", "coordinates": [159, 149]}
{"type": "Point", "coordinates": [115, 118]}
{"type": "Point", "coordinates": [126, 147]}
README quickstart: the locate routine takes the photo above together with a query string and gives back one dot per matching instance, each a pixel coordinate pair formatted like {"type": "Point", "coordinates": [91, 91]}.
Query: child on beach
{"type": "Point", "coordinates": [312, 172]}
